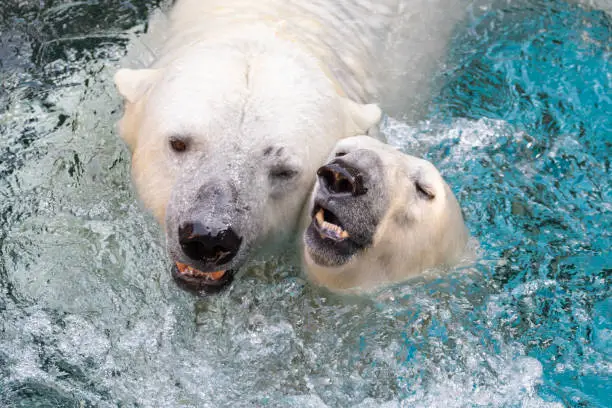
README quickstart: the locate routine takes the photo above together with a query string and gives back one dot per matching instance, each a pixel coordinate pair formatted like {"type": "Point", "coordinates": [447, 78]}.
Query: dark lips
{"type": "Point", "coordinates": [200, 282]}
{"type": "Point", "coordinates": [329, 246]}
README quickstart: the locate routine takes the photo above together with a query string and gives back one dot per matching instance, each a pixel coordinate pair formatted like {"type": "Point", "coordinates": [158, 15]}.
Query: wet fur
{"type": "Point", "coordinates": [241, 79]}
{"type": "Point", "coordinates": [414, 233]}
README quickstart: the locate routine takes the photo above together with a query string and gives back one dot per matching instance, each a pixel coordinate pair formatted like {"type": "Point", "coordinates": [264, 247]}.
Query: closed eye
{"type": "Point", "coordinates": [283, 174]}
{"type": "Point", "coordinates": [424, 191]}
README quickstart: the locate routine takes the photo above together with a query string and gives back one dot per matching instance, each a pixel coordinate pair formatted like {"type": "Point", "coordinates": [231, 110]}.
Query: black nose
{"type": "Point", "coordinates": [340, 178]}
{"type": "Point", "coordinates": [207, 244]}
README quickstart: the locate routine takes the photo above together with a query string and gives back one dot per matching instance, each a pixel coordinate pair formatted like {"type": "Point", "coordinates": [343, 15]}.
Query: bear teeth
{"type": "Point", "coordinates": [189, 271]}
{"type": "Point", "coordinates": [319, 217]}
{"type": "Point", "coordinates": [329, 227]}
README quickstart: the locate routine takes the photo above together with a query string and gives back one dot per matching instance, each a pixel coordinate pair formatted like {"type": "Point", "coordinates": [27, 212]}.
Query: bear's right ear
{"type": "Point", "coordinates": [360, 117]}
{"type": "Point", "coordinates": [133, 83]}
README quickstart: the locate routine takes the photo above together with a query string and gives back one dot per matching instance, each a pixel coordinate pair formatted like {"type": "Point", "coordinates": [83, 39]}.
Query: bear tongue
{"type": "Point", "coordinates": [188, 270]}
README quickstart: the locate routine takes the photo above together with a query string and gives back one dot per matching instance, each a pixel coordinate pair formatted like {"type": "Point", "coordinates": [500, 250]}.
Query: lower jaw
{"type": "Point", "coordinates": [202, 285]}
{"type": "Point", "coordinates": [326, 262]}
{"type": "Point", "coordinates": [325, 258]}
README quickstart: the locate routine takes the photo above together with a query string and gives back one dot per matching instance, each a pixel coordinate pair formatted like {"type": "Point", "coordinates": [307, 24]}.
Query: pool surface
{"type": "Point", "coordinates": [89, 316]}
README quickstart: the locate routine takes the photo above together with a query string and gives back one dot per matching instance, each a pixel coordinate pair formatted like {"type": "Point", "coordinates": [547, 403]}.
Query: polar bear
{"type": "Point", "coordinates": [378, 216]}
{"type": "Point", "coordinates": [243, 101]}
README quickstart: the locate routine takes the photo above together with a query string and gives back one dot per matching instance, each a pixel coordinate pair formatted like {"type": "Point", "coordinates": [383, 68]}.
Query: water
{"type": "Point", "coordinates": [90, 316]}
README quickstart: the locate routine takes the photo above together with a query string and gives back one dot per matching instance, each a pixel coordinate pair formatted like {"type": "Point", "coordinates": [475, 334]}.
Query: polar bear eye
{"type": "Point", "coordinates": [340, 154]}
{"type": "Point", "coordinates": [178, 145]}
{"type": "Point", "coordinates": [424, 191]}
{"type": "Point", "coordinates": [283, 173]}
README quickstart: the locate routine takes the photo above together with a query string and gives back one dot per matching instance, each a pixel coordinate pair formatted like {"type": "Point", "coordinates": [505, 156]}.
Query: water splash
{"type": "Point", "coordinates": [89, 315]}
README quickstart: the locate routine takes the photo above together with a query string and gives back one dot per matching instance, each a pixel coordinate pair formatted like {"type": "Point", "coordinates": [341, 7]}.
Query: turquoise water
{"type": "Point", "coordinates": [546, 208]}
{"type": "Point", "coordinates": [537, 192]}
{"type": "Point", "coordinates": [531, 168]}
{"type": "Point", "coordinates": [89, 315]}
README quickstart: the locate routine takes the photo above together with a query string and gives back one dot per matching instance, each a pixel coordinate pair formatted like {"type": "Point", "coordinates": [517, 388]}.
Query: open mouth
{"type": "Point", "coordinates": [328, 225]}
{"type": "Point", "coordinates": [194, 280]}
{"type": "Point", "coordinates": [327, 240]}
{"type": "Point", "coordinates": [344, 216]}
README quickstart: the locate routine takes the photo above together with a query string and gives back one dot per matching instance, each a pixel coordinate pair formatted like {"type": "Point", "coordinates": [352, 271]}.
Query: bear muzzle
{"type": "Point", "coordinates": [348, 203]}
{"type": "Point", "coordinates": [211, 249]}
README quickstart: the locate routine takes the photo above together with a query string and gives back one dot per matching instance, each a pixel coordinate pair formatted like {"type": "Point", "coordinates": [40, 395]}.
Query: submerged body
{"type": "Point", "coordinates": [243, 101]}
{"type": "Point", "coordinates": [378, 216]}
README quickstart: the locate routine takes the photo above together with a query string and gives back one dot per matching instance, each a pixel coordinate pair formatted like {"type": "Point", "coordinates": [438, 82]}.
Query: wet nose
{"type": "Point", "coordinates": [211, 245]}
{"type": "Point", "coordinates": [340, 178]}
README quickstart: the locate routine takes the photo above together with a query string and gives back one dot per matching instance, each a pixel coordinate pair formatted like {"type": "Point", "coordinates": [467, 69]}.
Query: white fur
{"type": "Point", "coordinates": [236, 76]}
{"type": "Point", "coordinates": [434, 236]}
{"type": "Point", "coordinates": [376, 50]}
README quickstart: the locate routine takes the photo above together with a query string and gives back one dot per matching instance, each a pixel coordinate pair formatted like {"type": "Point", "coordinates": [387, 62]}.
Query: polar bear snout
{"type": "Point", "coordinates": [348, 202]}
{"type": "Point", "coordinates": [210, 245]}
{"type": "Point", "coordinates": [205, 234]}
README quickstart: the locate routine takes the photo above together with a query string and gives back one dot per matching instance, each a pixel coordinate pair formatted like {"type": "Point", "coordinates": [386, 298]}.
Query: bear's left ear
{"type": "Point", "coordinates": [133, 83]}
{"type": "Point", "coordinates": [360, 117]}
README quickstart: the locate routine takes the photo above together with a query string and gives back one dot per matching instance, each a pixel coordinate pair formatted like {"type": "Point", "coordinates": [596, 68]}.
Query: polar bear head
{"type": "Point", "coordinates": [225, 145]}
{"type": "Point", "coordinates": [379, 216]}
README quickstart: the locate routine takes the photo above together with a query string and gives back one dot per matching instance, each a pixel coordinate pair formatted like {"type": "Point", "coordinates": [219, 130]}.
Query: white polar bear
{"type": "Point", "coordinates": [245, 99]}
{"type": "Point", "coordinates": [378, 216]}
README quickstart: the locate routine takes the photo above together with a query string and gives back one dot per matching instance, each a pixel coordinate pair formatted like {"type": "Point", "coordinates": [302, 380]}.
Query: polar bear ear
{"type": "Point", "coordinates": [133, 83]}
{"type": "Point", "coordinates": [360, 117]}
